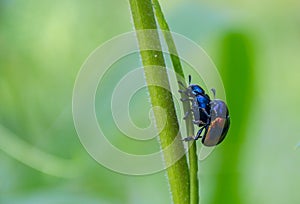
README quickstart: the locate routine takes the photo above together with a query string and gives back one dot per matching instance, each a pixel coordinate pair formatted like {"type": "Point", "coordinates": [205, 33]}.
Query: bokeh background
{"type": "Point", "coordinates": [256, 47]}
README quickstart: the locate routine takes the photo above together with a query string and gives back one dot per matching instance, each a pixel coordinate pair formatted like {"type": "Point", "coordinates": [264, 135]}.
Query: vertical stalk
{"type": "Point", "coordinates": [178, 175]}
{"type": "Point", "coordinates": [193, 161]}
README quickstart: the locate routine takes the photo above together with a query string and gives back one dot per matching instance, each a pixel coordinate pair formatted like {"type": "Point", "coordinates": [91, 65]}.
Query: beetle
{"type": "Point", "coordinates": [212, 116]}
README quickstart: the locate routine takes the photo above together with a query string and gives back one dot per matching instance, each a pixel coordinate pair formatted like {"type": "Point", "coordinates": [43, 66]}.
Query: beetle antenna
{"type": "Point", "coordinates": [214, 92]}
{"type": "Point", "coordinates": [181, 84]}
{"type": "Point", "coordinates": [190, 79]}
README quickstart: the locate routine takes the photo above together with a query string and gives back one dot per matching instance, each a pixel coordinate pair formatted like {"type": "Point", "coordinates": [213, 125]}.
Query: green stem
{"type": "Point", "coordinates": [178, 174]}
{"type": "Point", "coordinates": [194, 185]}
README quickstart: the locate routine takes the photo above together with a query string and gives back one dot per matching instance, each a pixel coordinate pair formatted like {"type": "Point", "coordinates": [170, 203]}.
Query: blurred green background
{"type": "Point", "coordinates": [256, 47]}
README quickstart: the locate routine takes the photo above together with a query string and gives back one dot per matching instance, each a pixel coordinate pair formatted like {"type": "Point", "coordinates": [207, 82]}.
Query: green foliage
{"type": "Point", "coordinates": [42, 47]}
{"type": "Point", "coordinates": [237, 70]}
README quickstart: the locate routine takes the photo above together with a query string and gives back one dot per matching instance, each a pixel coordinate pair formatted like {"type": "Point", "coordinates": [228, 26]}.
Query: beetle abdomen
{"type": "Point", "coordinates": [216, 131]}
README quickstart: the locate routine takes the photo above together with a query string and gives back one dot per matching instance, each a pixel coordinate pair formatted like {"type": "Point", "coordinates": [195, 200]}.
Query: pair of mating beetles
{"type": "Point", "coordinates": [212, 116]}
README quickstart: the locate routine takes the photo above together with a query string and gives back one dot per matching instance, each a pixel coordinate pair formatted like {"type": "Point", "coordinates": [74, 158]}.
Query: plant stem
{"type": "Point", "coordinates": [194, 185]}
{"type": "Point", "coordinates": [178, 174]}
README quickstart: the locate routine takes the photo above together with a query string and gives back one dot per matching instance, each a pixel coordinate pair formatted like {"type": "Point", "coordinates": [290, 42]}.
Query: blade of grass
{"type": "Point", "coordinates": [237, 58]}
{"type": "Point", "coordinates": [178, 175]}
{"type": "Point", "coordinates": [193, 161]}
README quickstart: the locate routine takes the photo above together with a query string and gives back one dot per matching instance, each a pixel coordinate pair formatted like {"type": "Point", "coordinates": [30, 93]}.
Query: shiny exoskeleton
{"type": "Point", "coordinates": [212, 116]}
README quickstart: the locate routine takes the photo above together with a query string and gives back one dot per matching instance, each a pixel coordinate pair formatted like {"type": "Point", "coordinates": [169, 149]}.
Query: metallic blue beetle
{"type": "Point", "coordinates": [212, 116]}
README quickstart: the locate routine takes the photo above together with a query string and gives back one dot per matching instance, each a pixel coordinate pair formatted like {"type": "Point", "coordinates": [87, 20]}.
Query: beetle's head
{"type": "Point", "coordinates": [196, 90]}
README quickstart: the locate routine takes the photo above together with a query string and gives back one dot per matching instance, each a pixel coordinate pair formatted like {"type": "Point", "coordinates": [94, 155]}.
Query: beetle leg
{"type": "Point", "coordinates": [181, 84]}
{"type": "Point", "coordinates": [205, 112]}
{"type": "Point", "coordinates": [199, 122]}
{"type": "Point", "coordinates": [183, 91]}
{"type": "Point", "coordinates": [187, 114]}
{"type": "Point", "coordinates": [198, 135]}
{"type": "Point", "coordinates": [186, 92]}
{"type": "Point", "coordinates": [188, 139]}
{"type": "Point", "coordinates": [186, 99]}
{"type": "Point", "coordinates": [195, 106]}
